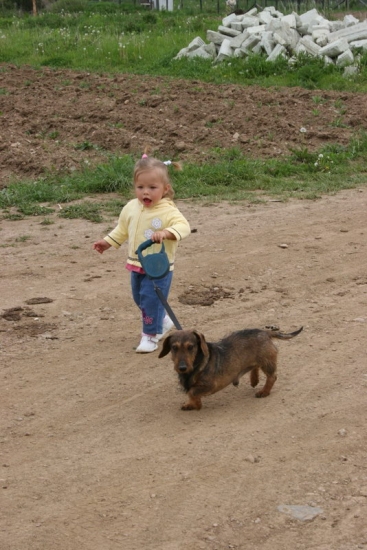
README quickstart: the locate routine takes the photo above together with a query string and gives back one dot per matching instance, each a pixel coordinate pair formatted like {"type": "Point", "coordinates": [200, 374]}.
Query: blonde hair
{"type": "Point", "coordinates": [146, 164]}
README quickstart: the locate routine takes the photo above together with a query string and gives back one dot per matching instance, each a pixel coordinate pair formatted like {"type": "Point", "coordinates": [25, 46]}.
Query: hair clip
{"type": "Point", "coordinates": [167, 162]}
{"type": "Point", "coordinates": [145, 156]}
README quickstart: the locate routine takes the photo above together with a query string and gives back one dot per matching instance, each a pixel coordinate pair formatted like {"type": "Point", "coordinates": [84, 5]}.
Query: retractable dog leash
{"type": "Point", "coordinates": [156, 266]}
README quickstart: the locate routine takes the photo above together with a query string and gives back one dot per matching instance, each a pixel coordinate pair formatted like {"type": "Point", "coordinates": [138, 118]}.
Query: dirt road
{"type": "Point", "coordinates": [95, 452]}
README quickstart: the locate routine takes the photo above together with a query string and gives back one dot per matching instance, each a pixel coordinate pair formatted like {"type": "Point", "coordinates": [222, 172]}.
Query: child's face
{"type": "Point", "coordinates": [149, 187]}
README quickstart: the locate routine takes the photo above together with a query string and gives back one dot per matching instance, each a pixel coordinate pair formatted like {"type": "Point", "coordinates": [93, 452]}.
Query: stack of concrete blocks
{"type": "Point", "coordinates": [274, 34]}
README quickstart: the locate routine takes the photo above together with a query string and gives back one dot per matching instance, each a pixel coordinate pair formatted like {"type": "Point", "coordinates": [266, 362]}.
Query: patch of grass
{"type": "Point", "coordinates": [14, 216]}
{"type": "Point", "coordinates": [30, 209]}
{"type": "Point", "coordinates": [22, 238]}
{"type": "Point", "coordinates": [47, 221]}
{"type": "Point", "coordinates": [86, 211]}
{"type": "Point", "coordinates": [85, 146]}
{"type": "Point", "coordinates": [228, 175]}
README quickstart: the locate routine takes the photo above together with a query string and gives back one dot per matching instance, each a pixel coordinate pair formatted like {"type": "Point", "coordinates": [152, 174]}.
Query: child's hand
{"type": "Point", "coordinates": [159, 236]}
{"type": "Point", "coordinates": [101, 246]}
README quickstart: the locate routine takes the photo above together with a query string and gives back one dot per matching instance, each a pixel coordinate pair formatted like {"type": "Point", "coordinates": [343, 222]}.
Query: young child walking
{"type": "Point", "coordinates": [151, 215]}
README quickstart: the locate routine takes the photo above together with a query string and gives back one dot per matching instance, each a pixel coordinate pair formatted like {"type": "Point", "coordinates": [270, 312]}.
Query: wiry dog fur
{"type": "Point", "coordinates": [204, 368]}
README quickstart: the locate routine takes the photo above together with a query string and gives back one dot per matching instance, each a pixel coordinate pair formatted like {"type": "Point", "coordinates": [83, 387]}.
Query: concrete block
{"type": "Point", "coordinates": [237, 41]}
{"type": "Point", "coordinates": [358, 44]}
{"type": "Point", "coordinates": [225, 51]}
{"type": "Point", "coordinates": [265, 17]}
{"type": "Point", "coordinates": [275, 25]}
{"type": "Point", "coordinates": [315, 23]}
{"type": "Point", "coordinates": [335, 48]}
{"type": "Point", "coordinates": [251, 42]}
{"type": "Point", "coordinates": [215, 37]}
{"type": "Point", "coordinates": [228, 20]}
{"type": "Point", "coordinates": [320, 31]}
{"type": "Point", "coordinates": [308, 16]}
{"type": "Point", "coordinates": [300, 48]}
{"type": "Point", "coordinates": [251, 12]}
{"type": "Point", "coordinates": [228, 31]}
{"type": "Point", "coordinates": [267, 42]}
{"type": "Point", "coordinates": [309, 44]}
{"type": "Point", "coordinates": [257, 49]}
{"type": "Point", "coordinates": [288, 38]}
{"type": "Point", "coordinates": [336, 26]}
{"type": "Point", "coordinates": [236, 25]}
{"type": "Point", "coordinates": [345, 58]}
{"type": "Point", "coordinates": [196, 43]}
{"type": "Point", "coordinates": [211, 49]}
{"type": "Point", "coordinates": [274, 12]}
{"type": "Point", "coordinates": [328, 60]}
{"type": "Point", "coordinates": [250, 22]}
{"type": "Point", "coordinates": [182, 53]}
{"type": "Point", "coordinates": [290, 20]}
{"type": "Point", "coordinates": [259, 29]}
{"type": "Point", "coordinates": [302, 29]}
{"type": "Point", "coordinates": [238, 53]}
{"type": "Point", "coordinates": [298, 20]}
{"type": "Point", "coordinates": [356, 32]}
{"type": "Point", "coordinates": [350, 71]}
{"type": "Point", "coordinates": [200, 52]}
{"type": "Point", "coordinates": [278, 51]}
{"type": "Point", "coordinates": [350, 20]}
{"type": "Point", "coordinates": [321, 41]}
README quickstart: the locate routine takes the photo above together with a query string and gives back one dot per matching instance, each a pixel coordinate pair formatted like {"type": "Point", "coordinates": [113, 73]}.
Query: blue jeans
{"type": "Point", "coordinates": [147, 300]}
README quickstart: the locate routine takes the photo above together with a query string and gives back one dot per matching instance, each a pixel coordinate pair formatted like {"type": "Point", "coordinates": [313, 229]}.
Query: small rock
{"type": "Point", "coordinates": [302, 513]}
{"type": "Point", "coordinates": [180, 145]}
{"type": "Point", "coordinates": [342, 432]}
{"type": "Point", "coordinates": [252, 459]}
{"type": "Point", "coordinates": [257, 520]}
{"type": "Point", "coordinates": [283, 245]}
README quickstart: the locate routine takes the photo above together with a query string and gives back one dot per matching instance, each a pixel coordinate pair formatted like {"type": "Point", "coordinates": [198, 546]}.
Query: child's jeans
{"type": "Point", "coordinates": [147, 300]}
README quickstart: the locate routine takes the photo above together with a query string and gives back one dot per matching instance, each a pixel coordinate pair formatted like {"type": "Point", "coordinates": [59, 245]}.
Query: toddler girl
{"type": "Point", "coordinates": [151, 215]}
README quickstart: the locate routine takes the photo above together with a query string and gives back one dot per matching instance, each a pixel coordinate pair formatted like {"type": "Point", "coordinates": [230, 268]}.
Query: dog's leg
{"type": "Point", "coordinates": [193, 404]}
{"type": "Point", "coordinates": [254, 377]}
{"type": "Point", "coordinates": [265, 391]}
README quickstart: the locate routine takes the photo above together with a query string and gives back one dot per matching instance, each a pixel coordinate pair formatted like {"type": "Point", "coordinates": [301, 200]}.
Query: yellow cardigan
{"type": "Point", "coordinates": [137, 224]}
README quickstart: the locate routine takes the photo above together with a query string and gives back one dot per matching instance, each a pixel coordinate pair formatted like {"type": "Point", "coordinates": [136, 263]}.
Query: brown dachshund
{"type": "Point", "coordinates": [204, 368]}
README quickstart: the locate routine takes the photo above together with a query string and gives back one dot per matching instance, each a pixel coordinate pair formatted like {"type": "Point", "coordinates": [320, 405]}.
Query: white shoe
{"type": "Point", "coordinates": [147, 344]}
{"type": "Point", "coordinates": [167, 325]}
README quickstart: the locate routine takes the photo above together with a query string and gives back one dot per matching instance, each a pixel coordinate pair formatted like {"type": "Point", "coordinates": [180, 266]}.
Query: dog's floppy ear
{"type": "Point", "coordinates": [166, 347]}
{"type": "Point", "coordinates": [202, 343]}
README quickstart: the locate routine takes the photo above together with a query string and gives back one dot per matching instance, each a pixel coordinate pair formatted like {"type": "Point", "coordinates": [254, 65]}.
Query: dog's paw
{"type": "Point", "coordinates": [262, 393]}
{"type": "Point", "coordinates": [191, 406]}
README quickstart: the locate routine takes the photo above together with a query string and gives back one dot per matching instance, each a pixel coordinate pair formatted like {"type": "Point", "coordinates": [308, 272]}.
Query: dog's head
{"type": "Point", "coordinates": [188, 349]}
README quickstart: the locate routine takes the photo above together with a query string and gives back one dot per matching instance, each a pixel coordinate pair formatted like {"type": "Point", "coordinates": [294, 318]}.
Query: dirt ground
{"type": "Point", "coordinates": [95, 452]}
{"type": "Point", "coordinates": [55, 120]}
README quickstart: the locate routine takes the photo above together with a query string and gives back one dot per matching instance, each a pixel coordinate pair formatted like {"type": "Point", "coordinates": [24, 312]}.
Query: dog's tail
{"type": "Point", "coordinates": [274, 333]}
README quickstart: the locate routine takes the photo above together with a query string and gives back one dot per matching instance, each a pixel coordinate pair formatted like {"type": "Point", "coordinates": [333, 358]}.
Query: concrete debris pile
{"type": "Point", "coordinates": [274, 34]}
